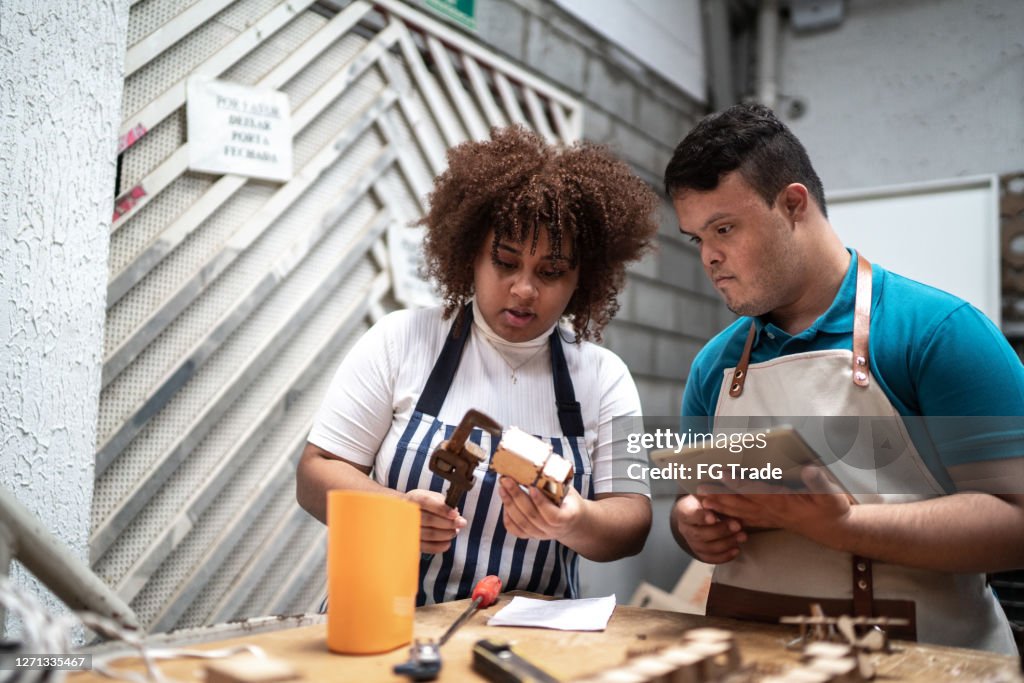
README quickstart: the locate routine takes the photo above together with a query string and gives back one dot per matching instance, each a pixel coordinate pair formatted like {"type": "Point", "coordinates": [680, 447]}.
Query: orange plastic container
{"type": "Point", "coordinates": [373, 555]}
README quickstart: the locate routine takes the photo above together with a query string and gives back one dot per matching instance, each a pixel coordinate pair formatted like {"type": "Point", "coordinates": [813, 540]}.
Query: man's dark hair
{"type": "Point", "coordinates": [748, 138]}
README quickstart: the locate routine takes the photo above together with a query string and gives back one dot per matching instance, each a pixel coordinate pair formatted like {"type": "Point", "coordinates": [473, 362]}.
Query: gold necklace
{"type": "Point", "coordinates": [515, 368]}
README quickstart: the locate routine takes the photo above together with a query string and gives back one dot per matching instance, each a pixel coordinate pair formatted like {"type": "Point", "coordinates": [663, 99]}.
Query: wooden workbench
{"type": "Point", "coordinates": [567, 655]}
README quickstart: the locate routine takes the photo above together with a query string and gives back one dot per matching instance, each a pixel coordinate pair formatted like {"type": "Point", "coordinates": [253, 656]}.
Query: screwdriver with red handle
{"type": "Point", "coordinates": [425, 656]}
{"type": "Point", "coordinates": [484, 595]}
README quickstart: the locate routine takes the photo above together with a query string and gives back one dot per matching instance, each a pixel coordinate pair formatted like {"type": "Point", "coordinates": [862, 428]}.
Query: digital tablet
{"type": "Point", "coordinates": [774, 455]}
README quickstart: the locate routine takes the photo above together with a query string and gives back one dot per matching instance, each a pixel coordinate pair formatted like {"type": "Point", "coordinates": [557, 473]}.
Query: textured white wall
{"type": "Point", "coordinates": [61, 73]}
{"type": "Point", "coordinates": [909, 91]}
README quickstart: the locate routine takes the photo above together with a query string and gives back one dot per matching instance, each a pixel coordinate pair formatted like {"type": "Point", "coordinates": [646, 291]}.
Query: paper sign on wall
{"type": "Point", "coordinates": [405, 247]}
{"type": "Point", "coordinates": [238, 129]}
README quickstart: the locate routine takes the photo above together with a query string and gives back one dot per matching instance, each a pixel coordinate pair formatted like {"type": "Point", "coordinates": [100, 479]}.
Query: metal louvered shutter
{"type": "Point", "coordinates": [231, 300]}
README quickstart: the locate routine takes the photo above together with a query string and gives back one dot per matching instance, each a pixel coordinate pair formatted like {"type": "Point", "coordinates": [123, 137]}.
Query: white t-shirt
{"type": "Point", "coordinates": [374, 392]}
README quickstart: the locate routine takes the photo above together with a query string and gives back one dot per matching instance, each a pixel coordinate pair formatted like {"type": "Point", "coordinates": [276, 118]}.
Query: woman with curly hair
{"type": "Point", "coordinates": [520, 235]}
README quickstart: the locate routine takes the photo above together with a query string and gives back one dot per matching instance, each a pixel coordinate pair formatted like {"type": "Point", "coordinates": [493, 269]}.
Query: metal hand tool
{"type": "Point", "coordinates": [457, 457]}
{"type": "Point", "coordinates": [496, 662]}
{"type": "Point", "coordinates": [485, 594]}
{"type": "Point", "coordinates": [425, 656]}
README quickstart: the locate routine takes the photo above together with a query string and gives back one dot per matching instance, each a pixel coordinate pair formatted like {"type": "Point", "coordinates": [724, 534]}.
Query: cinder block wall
{"type": "Point", "coordinates": [669, 309]}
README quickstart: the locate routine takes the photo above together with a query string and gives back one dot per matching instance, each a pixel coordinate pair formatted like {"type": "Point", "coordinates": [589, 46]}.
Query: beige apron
{"type": "Point", "coordinates": [780, 573]}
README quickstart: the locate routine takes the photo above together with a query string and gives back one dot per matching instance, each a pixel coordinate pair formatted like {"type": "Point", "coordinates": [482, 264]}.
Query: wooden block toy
{"type": "Point", "coordinates": [798, 676]}
{"type": "Point", "coordinates": [826, 650]}
{"type": "Point", "coordinates": [717, 637]}
{"type": "Point", "coordinates": [718, 658]}
{"type": "Point", "coordinates": [532, 462]}
{"type": "Point", "coordinates": [656, 669]}
{"type": "Point", "coordinates": [688, 665]}
{"type": "Point", "coordinates": [703, 656]}
{"type": "Point", "coordinates": [621, 676]}
{"type": "Point", "coordinates": [250, 669]}
{"type": "Point", "coordinates": [841, 670]}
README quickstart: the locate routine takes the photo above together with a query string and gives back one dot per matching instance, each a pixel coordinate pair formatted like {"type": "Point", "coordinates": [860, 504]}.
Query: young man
{"type": "Point", "coordinates": [824, 333]}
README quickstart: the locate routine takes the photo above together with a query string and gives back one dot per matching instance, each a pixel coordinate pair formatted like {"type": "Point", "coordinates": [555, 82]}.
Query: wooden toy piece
{"type": "Point", "coordinates": [826, 651]}
{"type": "Point", "coordinates": [873, 640]}
{"type": "Point", "coordinates": [623, 675]}
{"type": "Point", "coordinates": [689, 666]}
{"type": "Point", "coordinates": [881, 622]}
{"type": "Point", "coordinates": [555, 478]}
{"type": "Point", "coordinates": [706, 654]}
{"type": "Point", "coordinates": [800, 675]}
{"type": "Point", "coordinates": [532, 462]}
{"type": "Point", "coordinates": [656, 670]}
{"type": "Point", "coordinates": [708, 634]}
{"type": "Point", "coordinates": [818, 627]}
{"type": "Point", "coordinates": [520, 456]}
{"type": "Point", "coordinates": [865, 666]}
{"type": "Point", "coordinates": [823, 630]}
{"type": "Point", "coordinates": [250, 669]}
{"type": "Point", "coordinates": [718, 660]}
{"type": "Point", "coordinates": [841, 670]}
{"type": "Point", "coordinates": [717, 636]}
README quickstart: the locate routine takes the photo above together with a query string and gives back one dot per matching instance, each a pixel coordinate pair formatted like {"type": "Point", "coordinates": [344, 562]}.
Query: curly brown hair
{"type": "Point", "coordinates": [516, 183]}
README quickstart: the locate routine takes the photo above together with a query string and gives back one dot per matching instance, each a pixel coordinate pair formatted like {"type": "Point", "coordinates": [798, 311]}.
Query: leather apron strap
{"type": "Point", "coordinates": [862, 323]}
{"type": "Point", "coordinates": [739, 375]}
{"type": "Point", "coordinates": [863, 587]}
{"type": "Point", "coordinates": [861, 333]}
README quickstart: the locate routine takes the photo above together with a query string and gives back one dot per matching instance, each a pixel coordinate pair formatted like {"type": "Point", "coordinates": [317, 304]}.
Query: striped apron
{"type": "Point", "coordinates": [485, 547]}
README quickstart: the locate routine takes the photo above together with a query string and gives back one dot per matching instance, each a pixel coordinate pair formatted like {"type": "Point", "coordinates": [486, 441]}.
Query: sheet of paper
{"type": "Point", "coordinates": [587, 614]}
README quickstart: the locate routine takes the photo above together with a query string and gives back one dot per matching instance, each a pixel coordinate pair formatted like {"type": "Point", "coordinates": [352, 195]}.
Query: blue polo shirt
{"type": "Point", "coordinates": [933, 354]}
